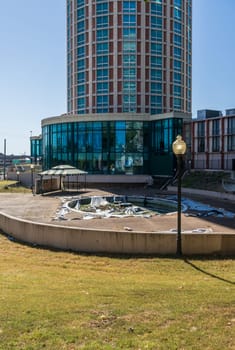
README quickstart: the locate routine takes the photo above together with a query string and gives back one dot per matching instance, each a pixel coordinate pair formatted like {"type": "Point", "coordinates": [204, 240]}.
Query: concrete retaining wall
{"type": "Point", "coordinates": [99, 241]}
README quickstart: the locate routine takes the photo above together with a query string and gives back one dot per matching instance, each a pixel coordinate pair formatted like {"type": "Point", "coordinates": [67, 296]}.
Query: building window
{"type": "Point", "coordinates": [177, 103]}
{"type": "Point", "coordinates": [156, 48]}
{"type": "Point", "coordinates": [129, 60]}
{"type": "Point", "coordinates": [81, 104]}
{"type": "Point", "coordinates": [102, 74]}
{"type": "Point", "coordinates": [156, 102]}
{"type": "Point", "coordinates": [102, 101]}
{"type": "Point", "coordinates": [177, 13]}
{"type": "Point", "coordinates": [81, 90]}
{"type": "Point", "coordinates": [102, 8]}
{"type": "Point", "coordinates": [189, 87]}
{"type": "Point", "coordinates": [201, 137]}
{"type": "Point", "coordinates": [178, 3]}
{"type": "Point", "coordinates": [156, 74]}
{"type": "Point", "coordinates": [156, 8]}
{"type": "Point", "coordinates": [80, 3]}
{"type": "Point", "coordinates": [81, 77]}
{"type": "Point", "coordinates": [129, 20]}
{"type": "Point", "coordinates": [102, 34]}
{"type": "Point", "coordinates": [80, 26]}
{"type": "Point", "coordinates": [102, 21]}
{"type": "Point", "coordinates": [129, 99]}
{"type": "Point", "coordinates": [201, 129]}
{"type": "Point", "coordinates": [177, 52]}
{"type": "Point", "coordinates": [129, 6]}
{"type": "Point", "coordinates": [129, 103]}
{"type": "Point", "coordinates": [201, 145]}
{"type": "Point", "coordinates": [81, 51]}
{"type": "Point", "coordinates": [102, 87]}
{"type": "Point", "coordinates": [177, 78]}
{"type": "Point", "coordinates": [129, 46]}
{"type": "Point", "coordinates": [231, 125]}
{"type": "Point", "coordinates": [215, 127]}
{"type": "Point", "coordinates": [129, 33]}
{"type": "Point", "coordinates": [177, 90]}
{"type": "Point", "coordinates": [102, 48]}
{"type": "Point", "coordinates": [215, 144]}
{"type": "Point", "coordinates": [129, 73]}
{"type": "Point", "coordinates": [156, 22]}
{"type": "Point", "coordinates": [156, 61]}
{"type": "Point", "coordinates": [156, 88]}
{"type": "Point", "coordinates": [129, 86]}
{"type": "Point", "coordinates": [164, 133]}
{"type": "Point", "coordinates": [189, 46]}
{"type": "Point", "coordinates": [177, 65]}
{"type": "Point", "coordinates": [81, 39]}
{"type": "Point", "coordinates": [231, 143]}
{"type": "Point", "coordinates": [156, 35]}
{"type": "Point", "coordinates": [177, 27]}
{"type": "Point", "coordinates": [215, 135]}
{"type": "Point", "coordinates": [81, 64]}
{"type": "Point", "coordinates": [80, 13]}
{"type": "Point", "coordinates": [177, 40]}
{"type": "Point", "coordinates": [102, 61]}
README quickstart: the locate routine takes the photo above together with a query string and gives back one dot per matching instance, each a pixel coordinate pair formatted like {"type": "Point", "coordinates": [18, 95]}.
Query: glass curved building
{"type": "Point", "coordinates": [128, 86]}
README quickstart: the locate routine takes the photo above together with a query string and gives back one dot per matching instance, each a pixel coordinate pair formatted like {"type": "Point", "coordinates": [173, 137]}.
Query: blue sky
{"type": "Point", "coordinates": [33, 63]}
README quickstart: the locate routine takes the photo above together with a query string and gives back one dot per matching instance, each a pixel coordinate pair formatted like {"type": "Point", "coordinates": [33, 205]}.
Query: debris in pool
{"type": "Point", "coordinates": [202, 230]}
{"type": "Point", "coordinates": [105, 207]}
{"type": "Point", "coordinates": [200, 209]}
{"type": "Point", "coordinates": [128, 228]}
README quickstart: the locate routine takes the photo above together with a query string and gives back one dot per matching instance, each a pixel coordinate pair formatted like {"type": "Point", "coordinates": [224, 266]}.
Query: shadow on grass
{"type": "Point", "coordinates": [208, 273]}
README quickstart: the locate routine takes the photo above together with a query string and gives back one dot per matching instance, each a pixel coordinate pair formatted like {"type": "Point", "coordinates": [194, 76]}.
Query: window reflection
{"type": "Point", "coordinates": [109, 147]}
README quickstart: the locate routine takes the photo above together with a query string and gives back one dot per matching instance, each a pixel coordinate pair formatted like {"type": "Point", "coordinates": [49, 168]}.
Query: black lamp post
{"type": "Point", "coordinates": [179, 149]}
{"type": "Point", "coordinates": [32, 170]}
{"type": "Point", "coordinates": [18, 176]}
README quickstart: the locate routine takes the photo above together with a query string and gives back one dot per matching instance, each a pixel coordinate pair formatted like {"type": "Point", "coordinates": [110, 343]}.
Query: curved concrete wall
{"type": "Point", "coordinates": [99, 241]}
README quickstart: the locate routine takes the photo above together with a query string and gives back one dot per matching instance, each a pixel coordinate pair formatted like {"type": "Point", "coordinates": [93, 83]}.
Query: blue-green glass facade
{"type": "Point", "coordinates": [112, 147]}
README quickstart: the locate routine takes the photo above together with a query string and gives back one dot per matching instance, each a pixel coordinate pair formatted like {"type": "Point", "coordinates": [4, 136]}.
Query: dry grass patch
{"type": "Point", "coordinates": [58, 300]}
{"type": "Point", "coordinates": [10, 186]}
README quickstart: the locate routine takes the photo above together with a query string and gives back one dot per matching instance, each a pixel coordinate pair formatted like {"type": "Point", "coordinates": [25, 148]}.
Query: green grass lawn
{"type": "Point", "coordinates": [60, 300]}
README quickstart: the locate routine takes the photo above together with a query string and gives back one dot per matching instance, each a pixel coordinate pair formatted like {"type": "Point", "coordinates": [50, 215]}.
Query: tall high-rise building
{"type": "Point", "coordinates": [129, 56]}
{"type": "Point", "coordinates": [128, 87]}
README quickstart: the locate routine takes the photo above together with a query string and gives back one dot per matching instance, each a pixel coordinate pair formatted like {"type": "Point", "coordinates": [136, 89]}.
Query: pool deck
{"type": "Point", "coordinates": [44, 209]}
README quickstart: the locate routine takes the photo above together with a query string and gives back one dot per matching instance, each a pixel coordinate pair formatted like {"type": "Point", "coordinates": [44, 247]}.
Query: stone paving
{"type": "Point", "coordinates": [44, 208]}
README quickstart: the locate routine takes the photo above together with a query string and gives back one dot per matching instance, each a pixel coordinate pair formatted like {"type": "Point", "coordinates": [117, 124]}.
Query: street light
{"type": "Point", "coordinates": [18, 176]}
{"type": "Point", "coordinates": [32, 170]}
{"type": "Point", "coordinates": [179, 149]}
